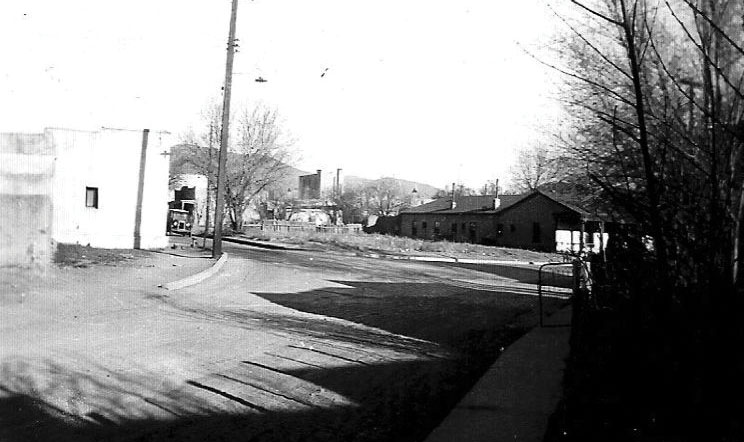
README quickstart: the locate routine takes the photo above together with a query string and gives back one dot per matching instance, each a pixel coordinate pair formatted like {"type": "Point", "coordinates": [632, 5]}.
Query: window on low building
{"type": "Point", "coordinates": [436, 227]}
{"type": "Point", "coordinates": [473, 232]}
{"type": "Point", "coordinates": [91, 197]}
{"type": "Point", "coordinates": [423, 225]}
{"type": "Point", "coordinates": [414, 230]}
{"type": "Point", "coordinates": [454, 228]}
{"type": "Point", "coordinates": [499, 229]}
{"type": "Point", "coordinates": [536, 232]}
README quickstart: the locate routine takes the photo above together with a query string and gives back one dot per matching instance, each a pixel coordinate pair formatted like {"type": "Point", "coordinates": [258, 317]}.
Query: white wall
{"type": "Point", "coordinates": [155, 198]}
{"type": "Point", "coordinates": [570, 241]}
{"type": "Point", "coordinates": [109, 159]}
{"type": "Point", "coordinates": [26, 174]}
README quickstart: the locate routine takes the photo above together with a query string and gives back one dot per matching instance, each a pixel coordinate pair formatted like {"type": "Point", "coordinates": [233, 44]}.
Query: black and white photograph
{"type": "Point", "coordinates": [404, 221]}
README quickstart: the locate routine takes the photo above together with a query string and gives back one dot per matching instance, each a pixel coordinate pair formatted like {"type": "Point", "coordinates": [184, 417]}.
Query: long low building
{"type": "Point", "coordinates": [535, 220]}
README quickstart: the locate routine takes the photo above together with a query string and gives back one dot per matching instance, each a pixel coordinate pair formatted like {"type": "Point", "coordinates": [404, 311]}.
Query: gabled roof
{"type": "Point", "coordinates": [586, 210]}
{"type": "Point", "coordinates": [557, 199]}
{"type": "Point", "coordinates": [484, 205]}
{"type": "Point", "coordinates": [465, 204]}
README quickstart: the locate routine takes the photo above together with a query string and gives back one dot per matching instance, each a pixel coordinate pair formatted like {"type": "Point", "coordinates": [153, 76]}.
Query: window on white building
{"type": "Point", "coordinates": [91, 197]}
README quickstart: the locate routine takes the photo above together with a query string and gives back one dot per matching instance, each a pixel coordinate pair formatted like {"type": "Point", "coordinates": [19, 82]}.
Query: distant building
{"type": "Point", "coordinates": [533, 220]}
{"type": "Point", "coordinates": [316, 202]}
{"type": "Point", "coordinates": [188, 192]}
{"type": "Point", "coordinates": [310, 186]}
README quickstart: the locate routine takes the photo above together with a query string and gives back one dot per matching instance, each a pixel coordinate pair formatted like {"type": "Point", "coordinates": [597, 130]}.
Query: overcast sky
{"type": "Point", "coordinates": [434, 91]}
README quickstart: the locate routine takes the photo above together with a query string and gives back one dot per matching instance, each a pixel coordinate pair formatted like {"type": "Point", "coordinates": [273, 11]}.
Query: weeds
{"type": "Point", "coordinates": [395, 244]}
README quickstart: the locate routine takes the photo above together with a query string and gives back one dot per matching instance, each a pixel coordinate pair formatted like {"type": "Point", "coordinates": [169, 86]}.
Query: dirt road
{"type": "Point", "coordinates": [279, 346]}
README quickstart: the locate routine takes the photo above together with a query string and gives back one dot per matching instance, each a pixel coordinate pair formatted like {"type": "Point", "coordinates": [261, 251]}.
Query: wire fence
{"type": "Point", "coordinates": [298, 226]}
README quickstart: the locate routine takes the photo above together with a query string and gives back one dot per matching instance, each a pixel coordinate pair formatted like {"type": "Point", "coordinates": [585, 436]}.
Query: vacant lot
{"type": "Point", "coordinates": [280, 346]}
{"type": "Point", "coordinates": [397, 245]}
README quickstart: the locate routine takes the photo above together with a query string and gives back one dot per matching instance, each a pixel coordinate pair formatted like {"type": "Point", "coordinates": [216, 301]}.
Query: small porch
{"type": "Point", "coordinates": [577, 233]}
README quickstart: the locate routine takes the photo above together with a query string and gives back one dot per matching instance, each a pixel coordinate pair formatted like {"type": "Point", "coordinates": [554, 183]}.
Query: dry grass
{"type": "Point", "coordinates": [374, 242]}
{"type": "Point", "coordinates": [75, 255]}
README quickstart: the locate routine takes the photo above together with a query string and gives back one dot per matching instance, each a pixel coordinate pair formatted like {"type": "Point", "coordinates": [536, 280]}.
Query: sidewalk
{"type": "Point", "coordinates": [516, 396]}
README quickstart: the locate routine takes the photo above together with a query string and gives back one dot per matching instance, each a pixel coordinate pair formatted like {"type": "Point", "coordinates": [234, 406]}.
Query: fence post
{"type": "Point", "coordinates": [576, 275]}
{"type": "Point", "coordinates": [539, 293]}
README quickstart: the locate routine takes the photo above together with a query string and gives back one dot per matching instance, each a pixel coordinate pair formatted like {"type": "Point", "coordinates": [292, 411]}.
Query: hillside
{"type": "Point", "coordinates": [424, 190]}
{"type": "Point", "coordinates": [289, 185]}
{"type": "Point", "coordinates": [180, 164]}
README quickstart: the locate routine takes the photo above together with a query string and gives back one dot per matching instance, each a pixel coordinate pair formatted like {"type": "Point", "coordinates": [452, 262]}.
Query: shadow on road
{"type": "Point", "coordinates": [462, 319]}
{"type": "Point", "coordinates": [559, 276]}
{"type": "Point", "coordinates": [423, 347]}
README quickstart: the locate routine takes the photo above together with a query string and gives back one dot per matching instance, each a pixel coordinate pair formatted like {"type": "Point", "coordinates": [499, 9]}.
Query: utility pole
{"type": "Point", "coordinates": [225, 134]}
{"type": "Point", "coordinates": [140, 190]}
{"type": "Point", "coordinates": [212, 129]}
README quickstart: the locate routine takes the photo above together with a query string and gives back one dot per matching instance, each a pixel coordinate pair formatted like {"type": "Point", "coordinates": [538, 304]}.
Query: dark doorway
{"type": "Point", "coordinates": [536, 234]}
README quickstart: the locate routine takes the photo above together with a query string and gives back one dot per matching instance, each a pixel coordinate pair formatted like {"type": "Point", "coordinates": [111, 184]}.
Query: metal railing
{"type": "Point", "coordinates": [559, 280]}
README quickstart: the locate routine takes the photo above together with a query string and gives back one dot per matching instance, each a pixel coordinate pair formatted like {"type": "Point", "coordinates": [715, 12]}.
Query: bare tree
{"type": "Point", "coordinates": [536, 166]}
{"type": "Point", "coordinates": [459, 191]}
{"type": "Point", "coordinates": [655, 92]}
{"type": "Point", "coordinates": [386, 197]}
{"type": "Point", "coordinates": [258, 156]}
{"type": "Point", "coordinates": [258, 160]}
{"type": "Point", "coordinates": [199, 153]}
{"type": "Point", "coordinates": [490, 188]}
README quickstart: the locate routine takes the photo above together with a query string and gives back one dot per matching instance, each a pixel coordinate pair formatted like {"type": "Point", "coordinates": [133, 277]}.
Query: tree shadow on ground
{"type": "Point", "coordinates": [418, 350]}
{"type": "Point", "coordinates": [555, 276]}
{"type": "Point", "coordinates": [394, 401]}
{"type": "Point", "coordinates": [456, 317]}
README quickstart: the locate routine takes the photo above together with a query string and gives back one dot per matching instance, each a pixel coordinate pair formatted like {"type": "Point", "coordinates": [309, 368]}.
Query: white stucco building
{"type": "Point", "coordinates": [110, 187]}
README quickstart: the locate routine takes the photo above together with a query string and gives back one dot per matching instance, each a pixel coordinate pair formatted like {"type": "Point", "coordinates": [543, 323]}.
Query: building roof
{"type": "Point", "coordinates": [553, 197]}
{"type": "Point", "coordinates": [465, 204]}
{"type": "Point", "coordinates": [484, 205]}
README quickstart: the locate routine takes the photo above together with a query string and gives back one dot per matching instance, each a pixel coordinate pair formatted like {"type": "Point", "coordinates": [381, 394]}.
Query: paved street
{"type": "Point", "coordinates": [280, 345]}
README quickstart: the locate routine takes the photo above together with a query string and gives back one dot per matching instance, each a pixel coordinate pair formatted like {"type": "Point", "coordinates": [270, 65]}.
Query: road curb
{"type": "Point", "coordinates": [262, 244]}
{"type": "Point", "coordinates": [198, 277]}
{"type": "Point", "coordinates": [448, 259]}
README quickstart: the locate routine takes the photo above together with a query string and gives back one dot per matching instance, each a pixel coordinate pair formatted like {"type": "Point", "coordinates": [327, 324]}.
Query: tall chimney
{"type": "Point", "coordinates": [318, 191]}
{"type": "Point", "coordinates": [496, 199]}
{"type": "Point", "coordinates": [338, 182]}
{"type": "Point", "coordinates": [454, 203]}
